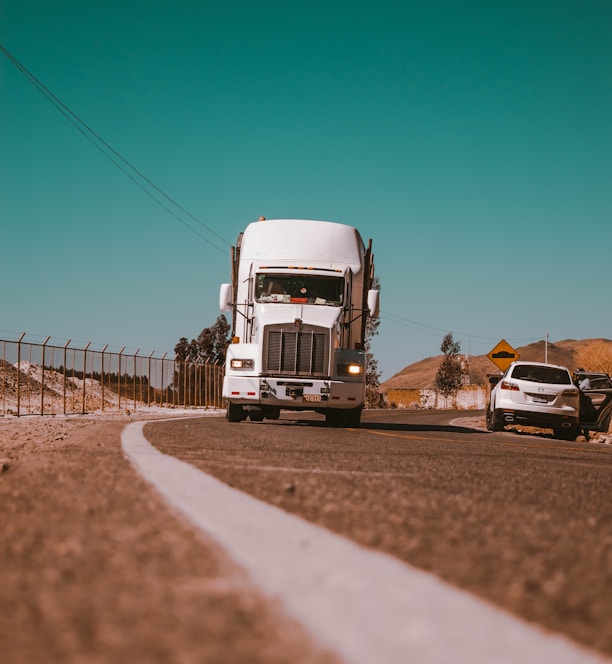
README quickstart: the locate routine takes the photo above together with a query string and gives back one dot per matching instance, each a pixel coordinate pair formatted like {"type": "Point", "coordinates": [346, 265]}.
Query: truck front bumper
{"type": "Point", "coordinates": [293, 393]}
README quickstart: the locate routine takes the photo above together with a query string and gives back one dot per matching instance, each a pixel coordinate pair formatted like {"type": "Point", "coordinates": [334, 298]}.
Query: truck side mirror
{"type": "Point", "coordinates": [373, 303]}
{"type": "Point", "coordinates": [225, 297]}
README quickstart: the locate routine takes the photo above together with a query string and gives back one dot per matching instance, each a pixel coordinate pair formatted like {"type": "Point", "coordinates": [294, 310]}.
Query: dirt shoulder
{"type": "Point", "coordinates": [95, 568]}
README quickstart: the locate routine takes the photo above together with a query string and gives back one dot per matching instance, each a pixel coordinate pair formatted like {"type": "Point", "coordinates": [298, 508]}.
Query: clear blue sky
{"type": "Point", "coordinates": [471, 140]}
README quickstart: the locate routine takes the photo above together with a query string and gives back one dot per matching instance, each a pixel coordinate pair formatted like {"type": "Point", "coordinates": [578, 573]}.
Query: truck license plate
{"type": "Point", "coordinates": [312, 397]}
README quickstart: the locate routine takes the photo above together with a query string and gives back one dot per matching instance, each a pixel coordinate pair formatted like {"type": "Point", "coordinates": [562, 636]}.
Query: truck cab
{"type": "Point", "coordinates": [299, 297]}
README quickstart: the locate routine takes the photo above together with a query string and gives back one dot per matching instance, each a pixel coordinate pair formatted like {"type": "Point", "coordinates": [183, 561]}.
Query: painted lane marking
{"type": "Point", "coordinates": [308, 471]}
{"type": "Point", "coordinates": [366, 606]}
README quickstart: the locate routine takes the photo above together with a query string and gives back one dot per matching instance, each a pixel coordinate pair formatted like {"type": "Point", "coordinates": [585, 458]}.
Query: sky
{"type": "Point", "coordinates": [472, 141]}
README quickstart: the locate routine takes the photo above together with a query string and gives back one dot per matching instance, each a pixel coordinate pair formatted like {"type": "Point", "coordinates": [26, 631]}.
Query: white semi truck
{"type": "Point", "coordinates": [300, 295]}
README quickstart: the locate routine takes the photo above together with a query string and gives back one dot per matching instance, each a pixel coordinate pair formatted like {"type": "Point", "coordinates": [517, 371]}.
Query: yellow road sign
{"type": "Point", "coordinates": [503, 355]}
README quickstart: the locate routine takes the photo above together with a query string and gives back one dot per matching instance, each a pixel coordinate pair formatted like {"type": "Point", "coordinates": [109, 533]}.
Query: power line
{"type": "Point", "coordinates": [430, 329]}
{"type": "Point", "coordinates": [108, 151]}
{"type": "Point", "coordinates": [121, 163]}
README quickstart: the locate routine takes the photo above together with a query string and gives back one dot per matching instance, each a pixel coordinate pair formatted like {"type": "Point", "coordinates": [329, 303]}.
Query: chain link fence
{"type": "Point", "coordinates": [47, 379]}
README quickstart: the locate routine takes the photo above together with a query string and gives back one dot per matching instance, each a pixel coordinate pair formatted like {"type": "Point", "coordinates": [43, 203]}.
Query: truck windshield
{"type": "Point", "coordinates": [299, 288]}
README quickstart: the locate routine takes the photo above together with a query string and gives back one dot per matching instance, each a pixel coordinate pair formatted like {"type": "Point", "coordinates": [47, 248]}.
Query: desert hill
{"type": "Point", "coordinates": [421, 375]}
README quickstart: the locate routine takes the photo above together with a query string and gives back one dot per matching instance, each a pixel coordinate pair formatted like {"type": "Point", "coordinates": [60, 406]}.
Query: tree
{"type": "Point", "coordinates": [372, 370]}
{"type": "Point", "coordinates": [449, 377]}
{"type": "Point", "coordinates": [185, 350]}
{"type": "Point", "coordinates": [210, 346]}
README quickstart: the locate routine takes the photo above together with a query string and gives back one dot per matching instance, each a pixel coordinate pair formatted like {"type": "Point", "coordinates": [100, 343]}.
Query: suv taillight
{"type": "Point", "coordinates": [507, 385]}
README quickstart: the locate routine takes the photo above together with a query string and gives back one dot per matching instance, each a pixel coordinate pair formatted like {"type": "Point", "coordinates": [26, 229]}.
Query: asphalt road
{"type": "Point", "coordinates": [523, 521]}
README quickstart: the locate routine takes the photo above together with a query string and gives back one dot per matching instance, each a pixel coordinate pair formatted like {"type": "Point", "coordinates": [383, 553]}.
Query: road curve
{"type": "Point", "coordinates": [366, 606]}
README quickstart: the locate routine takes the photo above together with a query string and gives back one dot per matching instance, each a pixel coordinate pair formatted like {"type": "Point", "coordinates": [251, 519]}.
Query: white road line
{"type": "Point", "coordinates": [366, 606]}
{"type": "Point", "coordinates": [307, 471]}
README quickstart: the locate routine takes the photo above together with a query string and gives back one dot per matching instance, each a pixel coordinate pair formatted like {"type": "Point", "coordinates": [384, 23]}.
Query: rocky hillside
{"type": "Point", "coordinates": [421, 375]}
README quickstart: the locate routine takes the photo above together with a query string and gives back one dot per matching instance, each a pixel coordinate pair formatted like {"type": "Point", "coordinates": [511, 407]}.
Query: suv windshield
{"type": "Point", "coordinates": [537, 374]}
{"type": "Point", "coordinates": [299, 288]}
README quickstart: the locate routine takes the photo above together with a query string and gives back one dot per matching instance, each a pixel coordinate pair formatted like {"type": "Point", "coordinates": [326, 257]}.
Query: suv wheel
{"type": "Point", "coordinates": [566, 433]}
{"type": "Point", "coordinates": [494, 421]}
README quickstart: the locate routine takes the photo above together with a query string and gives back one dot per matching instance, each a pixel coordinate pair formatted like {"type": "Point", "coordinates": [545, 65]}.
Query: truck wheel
{"type": "Point", "coordinates": [256, 415]}
{"type": "Point", "coordinates": [271, 412]}
{"type": "Point", "coordinates": [235, 412]}
{"type": "Point", "coordinates": [334, 418]}
{"type": "Point", "coordinates": [343, 417]}
{"type": "Point", "coordinates": [352, 417]}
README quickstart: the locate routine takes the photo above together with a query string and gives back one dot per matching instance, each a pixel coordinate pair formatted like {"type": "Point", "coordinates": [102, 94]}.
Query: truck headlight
{"type": "Point", "coordinates": [241, 364]}
{"type": "Point", "coordinates": [351, 369]}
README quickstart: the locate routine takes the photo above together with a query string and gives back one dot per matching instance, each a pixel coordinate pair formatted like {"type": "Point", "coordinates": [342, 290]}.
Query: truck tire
{"type": "Point", "coordinates": [352, 417]}
{"type": "Point", "coordinates": [333, 417]}
{"type": "Point", "coordinates": [234, 412]}
{"type": "Point", "coordinates": [256, 414]}
{"type": "Point", "coordinates": [343, 417]}
{"type": "Point", "coordinates": [271, 412]}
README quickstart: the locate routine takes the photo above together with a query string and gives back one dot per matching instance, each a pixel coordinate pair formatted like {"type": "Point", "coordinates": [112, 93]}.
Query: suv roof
{"type": "Point", "coordinates": [538, 364]}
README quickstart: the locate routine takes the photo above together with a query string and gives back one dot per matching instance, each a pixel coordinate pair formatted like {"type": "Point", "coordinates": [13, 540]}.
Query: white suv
{"type": "Point", "coordinates": [535, 394]}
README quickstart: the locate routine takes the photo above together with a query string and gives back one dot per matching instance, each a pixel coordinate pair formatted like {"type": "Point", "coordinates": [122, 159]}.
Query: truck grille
{"type": "Point", "coordinates": [296, 353]}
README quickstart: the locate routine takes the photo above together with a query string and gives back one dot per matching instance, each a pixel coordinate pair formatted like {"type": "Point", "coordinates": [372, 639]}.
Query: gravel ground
{"type": "Point", "coordinates": [96, 569]}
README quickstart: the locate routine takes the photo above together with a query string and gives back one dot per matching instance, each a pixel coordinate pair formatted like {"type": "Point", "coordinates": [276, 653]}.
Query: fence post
{"type": "Point", "coordinates": [149, 380]}
{"type": "Point", "coordinates": [19, 374]}
{"type": "Point", "coordinates": [102, 375]}
{"type": "Point", "coordinates": [198, 388]}
{"type": "Point", "coordinates": [84, 374]}
{"type": "Point", "coordinates": [119, 380]}
{"type": "Point", "coordinates": [218, 375]}
{"type": "Point", "coordinates": [176, 393]}
{"type": "Point", "coordinates": [42, 378]}
{"type": "Point", "coordinates": [134, 380]}
{"type": "Point", "coordinates": [210, 384]}
{"type": "Point", "coordinates": [163, 362]}
{"type": "Point", "coordinates": [3, 383]}
{"type": "Point", "coordinates": [206, 383]}
{"type": "Point", "coordinates": [65, 370]}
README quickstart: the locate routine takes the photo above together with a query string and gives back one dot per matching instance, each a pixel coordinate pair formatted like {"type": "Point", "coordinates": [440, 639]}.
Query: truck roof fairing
{"type": "Point", "coordinates": [322, 244]}
{"type": "Point", "coordinates": [292, 269]}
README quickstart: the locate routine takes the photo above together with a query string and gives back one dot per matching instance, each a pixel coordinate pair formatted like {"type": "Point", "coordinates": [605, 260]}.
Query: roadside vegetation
{"type": "Point", "coordinates": [450, 375]}
{"type": "Point", "coordinates": [210, 345]}
{"type": "Point", "coordinates": [596, 356]}
{"type": "Point", "coordinates": [373, 396]}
